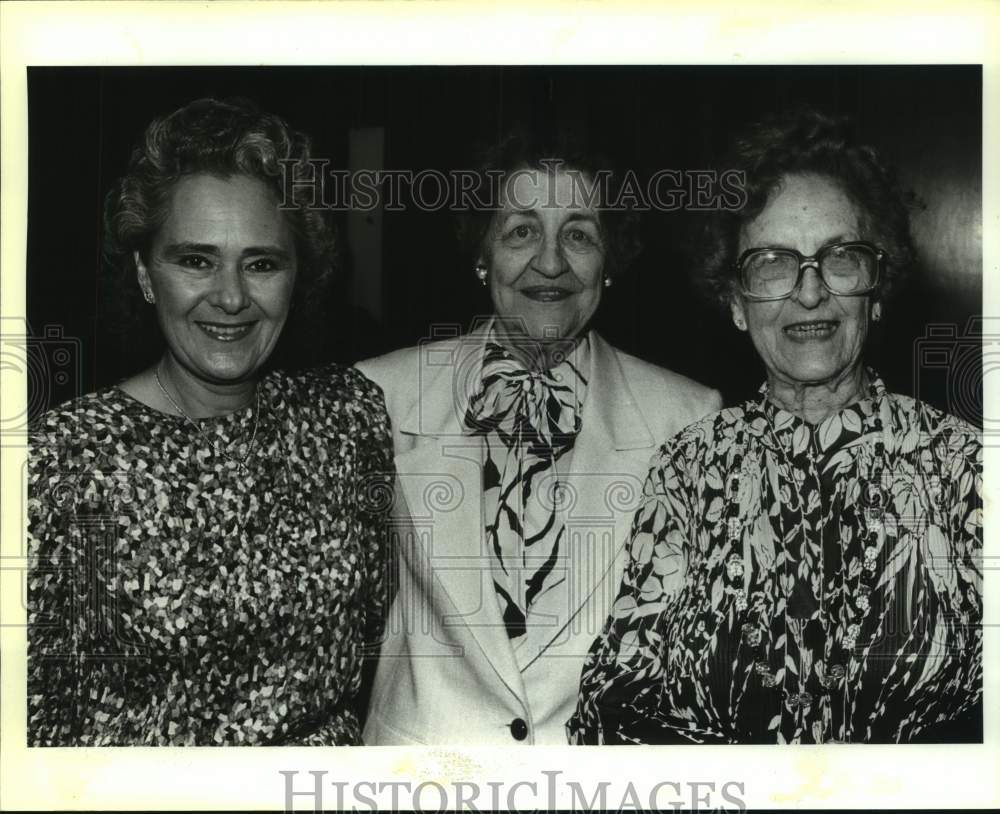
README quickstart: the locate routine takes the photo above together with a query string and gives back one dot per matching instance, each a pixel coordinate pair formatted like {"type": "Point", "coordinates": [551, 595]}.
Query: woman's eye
{"type": "Point", "coordinates": [194, 261]}
{"type": "Point", "coordinates": [579, 236]}
{"type": "Point", "coordinates": [263, 264]}
{"type": "Point", "coordinates": [582, 240]}
{"type": "Point", "coordinates": [521, 232]}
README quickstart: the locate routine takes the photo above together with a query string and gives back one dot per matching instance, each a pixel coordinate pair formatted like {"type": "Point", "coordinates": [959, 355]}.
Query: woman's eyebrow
{"type": "Point", "coordinates": [190, 248]}
{"type": "Point", "coordinates": [209, 248]}
{"type": "Point", "coordinates": [841, 238]}
{"type": "Point", "coordinates": [780, 244]}
{"type": "Point", "coordinates": [274, 251]}
{"type": "Point", "coordinates": [513, 210]}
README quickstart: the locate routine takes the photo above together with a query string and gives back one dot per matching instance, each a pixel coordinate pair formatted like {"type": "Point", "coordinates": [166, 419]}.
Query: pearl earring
{"type": "Point", "coordinates": [607, 282]}
{"type": "Point", "coordinates": [482, 273]}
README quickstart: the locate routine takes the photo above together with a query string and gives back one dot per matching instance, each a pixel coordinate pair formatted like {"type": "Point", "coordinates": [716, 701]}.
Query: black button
{"type": "Point", "coordinates": [519, 729]}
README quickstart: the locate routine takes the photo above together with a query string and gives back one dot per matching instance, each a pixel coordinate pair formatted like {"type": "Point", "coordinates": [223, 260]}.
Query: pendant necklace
{"type": "Point", "coordinates": [240, 462]}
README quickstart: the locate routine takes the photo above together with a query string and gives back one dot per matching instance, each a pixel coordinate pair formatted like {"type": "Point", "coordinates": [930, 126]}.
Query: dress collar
{"type": "Point", "coordinates": [772, 423]}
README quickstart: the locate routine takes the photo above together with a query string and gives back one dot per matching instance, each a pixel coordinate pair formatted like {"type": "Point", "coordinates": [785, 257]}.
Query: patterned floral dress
{"type": "Point", "coordinates": [798, 583]}
{"type": "Point", "coordinates": [178, 599]}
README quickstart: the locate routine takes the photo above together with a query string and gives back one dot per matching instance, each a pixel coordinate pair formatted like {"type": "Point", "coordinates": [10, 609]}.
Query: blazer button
{"type": "Point", "coordinates": [519, 729]}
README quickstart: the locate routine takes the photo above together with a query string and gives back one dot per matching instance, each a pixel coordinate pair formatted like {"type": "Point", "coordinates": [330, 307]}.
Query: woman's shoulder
{"type": "Point", "coordinates": [331, 388]}
{"type": "Point", "coordinates": [99, 413]}
{"type": "Point", "coordinates": [709, 436]}
{"type": "Point", "coordinates": [399, 371]}
{"type": "Point", "coordinates": [406, 373]}
{"type": "Point", "coordinates": [88, 433]}
{"type": "Point", "coordinates": [920, 424]}
{"type": "Point", "coordinates": [640, 372]}
{"type": "Point", "coordinates": [394, 360]}
{"type": "Point", "coordinates": [332, 381]}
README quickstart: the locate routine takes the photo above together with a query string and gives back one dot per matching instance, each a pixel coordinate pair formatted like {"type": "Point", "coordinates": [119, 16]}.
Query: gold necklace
{"type": "Point", "coordinates": [240, 462]}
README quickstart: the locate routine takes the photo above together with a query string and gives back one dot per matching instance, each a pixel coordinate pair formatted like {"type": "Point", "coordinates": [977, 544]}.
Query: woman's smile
{"type": "Point", "coordinates": [811, 336]}
{"type": "Point", "coordinates": [546, 293]}
{"type": "Point", "coordinates": [224, 332]}
{"type": "Point", "coordinates": [222, 269]}
{"type": "Point", "coordinates": [812, 330]}
{"type": "Point", "coordinates": [546, 262]}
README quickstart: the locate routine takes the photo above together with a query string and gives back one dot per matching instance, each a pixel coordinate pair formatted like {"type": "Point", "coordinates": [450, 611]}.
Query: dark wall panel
{"type": "Point", "coordinates": [927, 119]}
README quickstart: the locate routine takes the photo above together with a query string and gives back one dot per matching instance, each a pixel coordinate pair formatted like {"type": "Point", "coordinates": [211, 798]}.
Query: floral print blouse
{"type": "Point", "coordinates": [175, 598]}
{"type": "Point", "coordinates": [798, 583]}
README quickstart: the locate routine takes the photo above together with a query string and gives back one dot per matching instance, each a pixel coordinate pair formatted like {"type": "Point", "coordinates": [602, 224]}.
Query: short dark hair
{"type": "Point", "coordinates": [808, 141]}
{"type": "Point", "coordinates": [221, 138]}
{"type": "Point", "coordinates": [537, 147]}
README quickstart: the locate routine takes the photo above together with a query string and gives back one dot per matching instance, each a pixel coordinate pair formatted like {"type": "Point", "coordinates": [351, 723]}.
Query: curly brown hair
{"type": "Point", "coordinates": [808, 141]}
{"type": "Point", "coordinates": [222, 138]}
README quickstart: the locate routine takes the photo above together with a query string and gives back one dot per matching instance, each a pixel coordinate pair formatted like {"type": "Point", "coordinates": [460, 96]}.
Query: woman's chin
{"type": "Point", "coordinates": [227, 372]}
{"type": "Point", "coordinates": [810, 371]}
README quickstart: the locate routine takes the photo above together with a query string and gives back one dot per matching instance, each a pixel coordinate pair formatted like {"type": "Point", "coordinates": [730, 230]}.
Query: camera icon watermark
{"type": "Point", "coordinates": [950, 363]}
{"type": "Point", "coordinates": [51, 364]}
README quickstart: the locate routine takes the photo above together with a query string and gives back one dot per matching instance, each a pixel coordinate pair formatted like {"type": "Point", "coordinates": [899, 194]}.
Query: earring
{"type": "Point", "coordinates": [607, 282]}
{"type": "Point", "coordinates": [741, 324]}
{"type": "Point", "coordinates": [876, 312]}
{"type": "Point", "coordinates": [482, 273]}
{"type": "Point", "coordinates": [147, 295]}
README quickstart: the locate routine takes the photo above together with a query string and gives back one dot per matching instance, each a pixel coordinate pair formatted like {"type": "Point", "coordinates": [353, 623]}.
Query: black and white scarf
{"type": "Point", "coordinates": [528, 420]}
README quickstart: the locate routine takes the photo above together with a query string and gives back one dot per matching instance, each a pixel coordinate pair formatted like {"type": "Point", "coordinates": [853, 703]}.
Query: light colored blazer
{"type": "Point", "coordinates": [447, 673]}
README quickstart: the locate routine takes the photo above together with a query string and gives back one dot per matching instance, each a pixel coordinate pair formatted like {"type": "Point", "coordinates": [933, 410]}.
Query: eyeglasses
{"type": "Point", "coordinates": [846, 269]}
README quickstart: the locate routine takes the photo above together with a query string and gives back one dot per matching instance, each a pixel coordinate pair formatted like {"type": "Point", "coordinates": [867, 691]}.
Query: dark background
{"type": "Point", "coordinates": [83, 123]}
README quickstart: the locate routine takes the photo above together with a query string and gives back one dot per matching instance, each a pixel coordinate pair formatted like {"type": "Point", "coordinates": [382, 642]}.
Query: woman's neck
{"type": "Point", "coordinates": [197, 398]}
{"type": "Point", "coordinates": [534, 354]}
{"type": "Point", "coordinates": [816, 401]}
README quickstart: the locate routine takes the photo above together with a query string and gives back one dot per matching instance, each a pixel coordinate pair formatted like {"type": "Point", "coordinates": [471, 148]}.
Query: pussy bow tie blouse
{"type": "Point", "coordinates": [529, 421]}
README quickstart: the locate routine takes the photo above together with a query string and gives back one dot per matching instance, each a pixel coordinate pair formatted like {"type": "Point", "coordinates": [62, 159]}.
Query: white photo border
{"type": "Point", "coordinates": [400, 33]}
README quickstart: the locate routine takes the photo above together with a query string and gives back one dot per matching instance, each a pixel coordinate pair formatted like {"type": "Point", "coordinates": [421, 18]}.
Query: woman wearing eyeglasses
{"type": "Point", "coordinates": [805, 567]}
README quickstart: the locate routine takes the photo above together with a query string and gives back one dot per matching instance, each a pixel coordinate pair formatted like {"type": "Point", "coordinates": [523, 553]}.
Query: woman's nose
{"type": "Point", "coordinates": [549, 259]}
{"type": "Point", "coordinates": [811, 291]}
{"type": "Point", "coordinates": [230, 293]}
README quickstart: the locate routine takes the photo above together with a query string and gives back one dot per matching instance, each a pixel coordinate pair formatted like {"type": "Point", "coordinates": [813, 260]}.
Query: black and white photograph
{"type": "Point", "coordinates": [451, 406]}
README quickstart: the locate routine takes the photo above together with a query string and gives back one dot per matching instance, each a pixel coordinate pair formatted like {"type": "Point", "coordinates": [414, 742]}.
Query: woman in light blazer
{"type": "Point", "coordinates": [520, 449]}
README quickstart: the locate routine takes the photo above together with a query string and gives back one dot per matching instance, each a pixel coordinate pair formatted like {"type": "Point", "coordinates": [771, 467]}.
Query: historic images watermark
{"type": "Point", "coordinates": [315, 184]}
{"type": "Point", "coordinates": [314, 791]}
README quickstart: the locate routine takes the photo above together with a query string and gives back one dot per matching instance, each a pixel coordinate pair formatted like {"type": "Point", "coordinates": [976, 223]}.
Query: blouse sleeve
{"type": "Point", "coordinates": [48, 603]}
{"type": "Point", "coordinates": [70, 641]}
{"type": "Point", "coordinates": [955, 694]}
{"type": "Point", "coordinates": [966, 516]}
{"type": "Point", "coordinates": [623, 674]}
{"type": "Point", "coordinates": [377, 476]}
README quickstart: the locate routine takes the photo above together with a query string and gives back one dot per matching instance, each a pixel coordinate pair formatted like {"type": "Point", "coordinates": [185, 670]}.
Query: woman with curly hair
{"type": "Point", "coordinates": [517, 445]}
{"type": "Point", "coordinates": [805, 567]}
{"type": "Point", "coordinates": [208, 550]}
